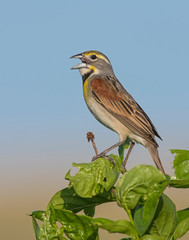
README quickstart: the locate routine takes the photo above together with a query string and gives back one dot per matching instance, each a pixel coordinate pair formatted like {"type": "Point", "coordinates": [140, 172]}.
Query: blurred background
{"type": "Point", "coordinates": [43, 117]}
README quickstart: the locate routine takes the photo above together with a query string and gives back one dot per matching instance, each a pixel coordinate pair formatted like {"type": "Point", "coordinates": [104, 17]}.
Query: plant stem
{"type": "Point", "coordinates": [131, 219]}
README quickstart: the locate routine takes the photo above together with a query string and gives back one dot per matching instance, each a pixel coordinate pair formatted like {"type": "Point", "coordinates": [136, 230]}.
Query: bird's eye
{"type": "Point", "coordinates": [93, 57]}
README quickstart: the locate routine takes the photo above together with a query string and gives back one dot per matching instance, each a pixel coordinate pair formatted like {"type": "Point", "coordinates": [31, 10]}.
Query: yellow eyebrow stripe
{"type": "Point", "coordinates": [98, 55]}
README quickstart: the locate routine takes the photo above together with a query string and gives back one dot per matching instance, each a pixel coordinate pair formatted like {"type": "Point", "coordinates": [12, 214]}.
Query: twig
{"type": "Point", "coordinates": [90, 137]}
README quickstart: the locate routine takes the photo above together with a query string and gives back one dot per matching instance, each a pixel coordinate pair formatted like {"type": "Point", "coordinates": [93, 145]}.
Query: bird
{"type": "Point", "coordinates": [114, 107]}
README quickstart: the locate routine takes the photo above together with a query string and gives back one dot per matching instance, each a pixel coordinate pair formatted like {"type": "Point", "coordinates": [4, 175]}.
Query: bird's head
{"type": "Point", "coordinates": [94, 62]}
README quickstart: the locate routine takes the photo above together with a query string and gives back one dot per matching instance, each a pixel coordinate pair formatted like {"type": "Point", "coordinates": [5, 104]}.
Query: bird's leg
{"type": "Point", "coordinates": [127, 156]}
{"type": "Point", "coordinates": [102, 154]}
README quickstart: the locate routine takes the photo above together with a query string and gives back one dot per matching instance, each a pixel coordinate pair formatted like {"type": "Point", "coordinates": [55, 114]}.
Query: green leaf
{"type": "Point", "coordinates": [36, 227]}
{"type": "Point", "coordinates": [126, 239]}
{"type": "Point", "coordinates": [143, 214]}
{"type": "Point", "coordinates": [70, 200]}
{"type": "Point", "coordinates": [150, 237]}
{"type": "Point", "coordinates": [181, 228]}
{"type": "Point", "coordinates": [183, 223]}
{"type": "Point", "coordinates": [120, 226]}
{"type": "Point", "coordinates": [76, 226]}
{"type": "Point", "coordinates": [165, 219]}
{"type": "Point", "coordinates": [39, 215]}
{"type": "Point", "coordinates": [47, 231]}
{"type": "Point", "coordinates": [94, 178]}
{"type": "Point", "coordinates": [181, 163]}
{"type": "Point", "coordinates": [179, 183]}
{"type": "Point", "coordinates": [118, 163]}
{"type": "Point", "coordinates": [122, 148]}
{"type": "Point", "coordinates": [90, 211]}
{"type": "Point", "coordinates": [139, 184]}
{"type": "Point", "coordinates": [182, 214]}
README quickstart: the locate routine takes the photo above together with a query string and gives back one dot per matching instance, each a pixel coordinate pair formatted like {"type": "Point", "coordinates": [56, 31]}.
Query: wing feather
{"type": "Point", "coordinates": [121, 105]}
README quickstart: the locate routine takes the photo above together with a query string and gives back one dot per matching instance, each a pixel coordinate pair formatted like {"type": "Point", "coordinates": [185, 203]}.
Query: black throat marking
{"type": "Point", "coordinates": [86, 75]}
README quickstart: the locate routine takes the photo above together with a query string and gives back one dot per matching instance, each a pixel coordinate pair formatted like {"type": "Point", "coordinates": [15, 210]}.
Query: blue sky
{"type": "Point", "coordinates": [43, 116]}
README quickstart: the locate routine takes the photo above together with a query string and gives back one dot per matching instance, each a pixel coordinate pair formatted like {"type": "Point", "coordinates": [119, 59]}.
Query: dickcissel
{"type": "Point", "coordinates": [114, 107]}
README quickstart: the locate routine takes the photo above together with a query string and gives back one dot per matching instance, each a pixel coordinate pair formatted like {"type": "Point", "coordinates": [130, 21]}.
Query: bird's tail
{"type": "Point", "coordinates": [153, 150]}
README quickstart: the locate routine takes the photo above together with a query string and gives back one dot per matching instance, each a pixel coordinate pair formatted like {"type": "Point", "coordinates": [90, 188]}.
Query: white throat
{"type": "Point", "coordinates": [84, 71]}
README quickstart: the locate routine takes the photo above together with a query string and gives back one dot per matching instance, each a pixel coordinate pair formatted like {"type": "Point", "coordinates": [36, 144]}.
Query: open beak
{"type": "Point", "coordinates": [80, 65]}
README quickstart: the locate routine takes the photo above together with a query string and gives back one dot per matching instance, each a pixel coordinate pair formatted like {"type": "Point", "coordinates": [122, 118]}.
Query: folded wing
{"type": "Point", "coordinates": [123, 107]}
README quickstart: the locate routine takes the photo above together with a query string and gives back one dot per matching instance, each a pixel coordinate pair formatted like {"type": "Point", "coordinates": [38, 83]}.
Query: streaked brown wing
{"type": "Point", "coordinates": [124, 108]}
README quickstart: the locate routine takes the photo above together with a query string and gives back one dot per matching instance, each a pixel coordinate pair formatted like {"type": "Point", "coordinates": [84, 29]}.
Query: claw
{"type": "Point", "coordinates": [110, 159]}
{"type": "Point", "coordinates": [104, 156]}
{"type": "Point", "coordinates": [94, 158]}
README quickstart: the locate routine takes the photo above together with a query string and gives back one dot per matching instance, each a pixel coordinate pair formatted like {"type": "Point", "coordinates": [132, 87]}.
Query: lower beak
{"type": "Point", "coordinates": [80, 65]}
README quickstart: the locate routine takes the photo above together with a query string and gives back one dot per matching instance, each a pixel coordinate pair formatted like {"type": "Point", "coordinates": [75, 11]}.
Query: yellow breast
{"type": "Point", "coordinates": [86, 89]}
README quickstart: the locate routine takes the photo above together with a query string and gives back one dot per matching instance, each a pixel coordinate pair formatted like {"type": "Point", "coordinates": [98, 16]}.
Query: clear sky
{"type": "Point", "coordinates": [43, 117]}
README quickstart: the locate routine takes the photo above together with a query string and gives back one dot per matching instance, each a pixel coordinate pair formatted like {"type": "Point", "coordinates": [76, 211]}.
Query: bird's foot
{"type": "Point", "coordinates": [104, 156]}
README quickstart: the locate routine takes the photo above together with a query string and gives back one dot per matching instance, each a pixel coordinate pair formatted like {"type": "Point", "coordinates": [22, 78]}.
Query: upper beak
{"type": "Point", "coordinates": [80, 65]}
{"type": "Point", "coordinates": [77, 56]}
